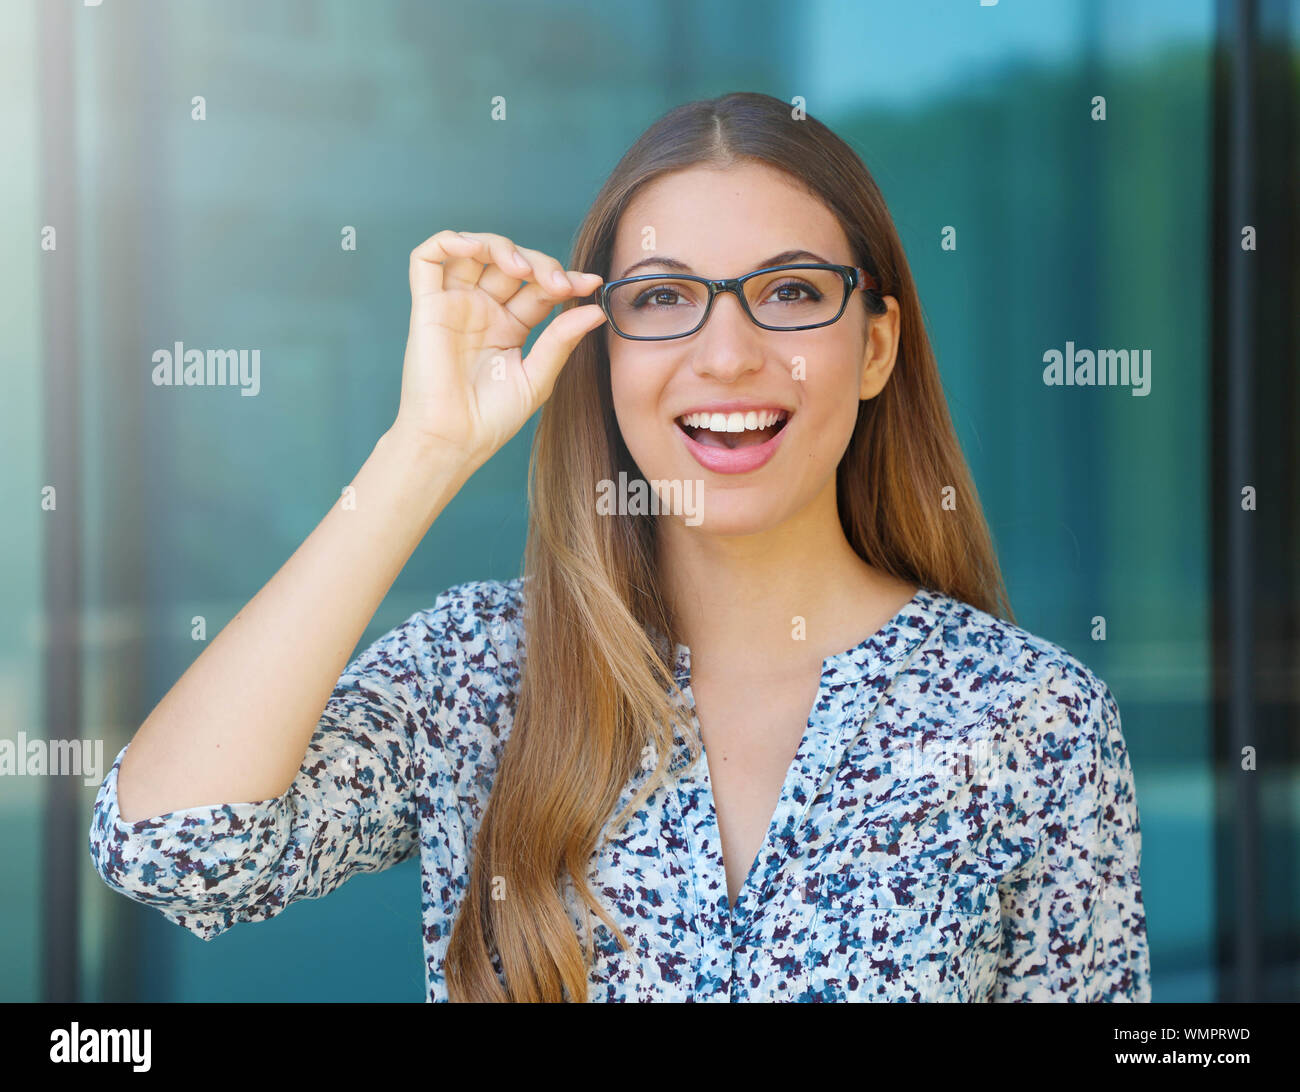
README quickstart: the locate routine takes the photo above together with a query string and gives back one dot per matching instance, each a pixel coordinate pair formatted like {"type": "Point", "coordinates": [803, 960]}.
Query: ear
{"type": "Point", "coordinates": [881, 349]}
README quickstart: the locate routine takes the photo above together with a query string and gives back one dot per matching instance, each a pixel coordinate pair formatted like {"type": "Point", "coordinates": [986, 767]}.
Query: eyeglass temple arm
{"type": "Point", "coordinates": [866, 281]}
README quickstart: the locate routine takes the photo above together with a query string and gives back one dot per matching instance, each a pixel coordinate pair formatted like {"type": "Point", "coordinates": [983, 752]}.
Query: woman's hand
{"type": "Point", "coordinates": [475, 297]}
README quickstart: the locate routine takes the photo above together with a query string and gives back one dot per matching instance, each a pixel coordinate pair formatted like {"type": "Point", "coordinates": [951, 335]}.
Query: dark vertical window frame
{"type": "Point", "coordinates": [1277, 575]}
{"type": "Point", "coordinates": [64, 823]}
{"type": "Point", "coordinates": [1253, 405]}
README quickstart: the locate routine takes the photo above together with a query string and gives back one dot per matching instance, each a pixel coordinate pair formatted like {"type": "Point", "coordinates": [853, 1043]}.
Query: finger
{"type": "Point", "coordinates": [548, 274]}
{"type": "Point", "coordinates": [489, 250]}
{"type": "Point", "coordinates": [532, 302]}
{"type": "Point", "coordinates": [427, 259]}
{"type": "Point", "coordinates": [554, 345]}
{"type": "Point", "coordinates": [517, 264]}
{"type": "Point", "coordinates": [499, 284]}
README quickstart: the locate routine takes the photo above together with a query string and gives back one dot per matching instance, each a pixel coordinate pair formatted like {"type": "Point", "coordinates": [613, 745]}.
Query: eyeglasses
{"type": "Point", "coordinates": [657, 306]}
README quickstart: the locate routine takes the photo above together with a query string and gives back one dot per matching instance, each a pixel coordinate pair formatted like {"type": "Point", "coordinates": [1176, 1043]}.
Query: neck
{"type": "Point", "coordinates": [738, 599]}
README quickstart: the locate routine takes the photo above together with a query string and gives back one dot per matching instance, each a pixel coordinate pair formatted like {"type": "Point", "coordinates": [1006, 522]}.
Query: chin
{"type": "Point", "coordinates": [730, 518]}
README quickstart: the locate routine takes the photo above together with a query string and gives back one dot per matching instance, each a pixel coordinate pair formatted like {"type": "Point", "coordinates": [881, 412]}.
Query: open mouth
{"type": "Point", "coordinates": [733, 430]}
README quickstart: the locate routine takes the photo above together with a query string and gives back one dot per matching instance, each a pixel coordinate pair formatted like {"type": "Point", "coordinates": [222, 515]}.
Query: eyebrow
{"type": "Point", "coordinates": [784, 258]}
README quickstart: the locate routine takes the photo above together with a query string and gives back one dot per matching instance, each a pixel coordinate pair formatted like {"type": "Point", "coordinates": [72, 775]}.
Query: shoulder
{"type": "Point", "coordinates": [463, 653]}
{"type": "Point", "coordinates": [1052, 722]}
{"type": "Point", "coordinates": [474, 603]}
{"type": "Point", "coordinates": [479, 622]}
{"type": "Point", "coordinates": [1027, 679]}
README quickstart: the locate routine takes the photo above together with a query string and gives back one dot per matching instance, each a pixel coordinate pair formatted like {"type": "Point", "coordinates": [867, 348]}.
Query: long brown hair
{"type": "Point", "coordinates": [597, 691]}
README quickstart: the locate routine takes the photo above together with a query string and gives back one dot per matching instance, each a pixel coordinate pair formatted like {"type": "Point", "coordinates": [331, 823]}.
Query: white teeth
{"type": "Point", "coordinates": [733, 422]}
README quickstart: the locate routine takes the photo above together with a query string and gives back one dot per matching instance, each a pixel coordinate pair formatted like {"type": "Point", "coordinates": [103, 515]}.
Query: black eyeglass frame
{"type": "Point", "coordinates": [853, 276]}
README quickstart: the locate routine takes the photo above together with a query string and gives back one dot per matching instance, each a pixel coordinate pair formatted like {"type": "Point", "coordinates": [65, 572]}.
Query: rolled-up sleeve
{"type": "Point", "coordinates": [349, 809]}
{"type": "Point", "coordinates": [1073, 924]}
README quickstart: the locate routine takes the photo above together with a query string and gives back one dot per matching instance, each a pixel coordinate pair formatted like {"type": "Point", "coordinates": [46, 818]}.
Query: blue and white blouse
{"type": "Point", "coordinates": [959, 822]}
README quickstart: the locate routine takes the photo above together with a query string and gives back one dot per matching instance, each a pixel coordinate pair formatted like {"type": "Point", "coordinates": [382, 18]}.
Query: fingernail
{"type": "Point", "coordinates": [518, 259]}
{"type": "Point", "coordinates": [560, 280]}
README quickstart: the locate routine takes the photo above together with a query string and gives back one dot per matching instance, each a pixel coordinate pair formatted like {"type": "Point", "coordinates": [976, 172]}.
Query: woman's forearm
{"type": "Point", "coordinates": [236, 725]}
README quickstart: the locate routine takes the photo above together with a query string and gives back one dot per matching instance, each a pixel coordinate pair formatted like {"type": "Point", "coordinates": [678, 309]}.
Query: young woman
{"type": "Point", "coordinates": [777, 744]}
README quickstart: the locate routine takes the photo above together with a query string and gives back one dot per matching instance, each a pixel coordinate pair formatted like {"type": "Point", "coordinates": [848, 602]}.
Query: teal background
{"type": "Point", "coordinates": [226, 232]}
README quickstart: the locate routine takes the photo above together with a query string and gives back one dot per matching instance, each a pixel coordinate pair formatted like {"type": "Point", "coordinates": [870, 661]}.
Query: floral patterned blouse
{"type": "Point", "coordinates": [958, 824]}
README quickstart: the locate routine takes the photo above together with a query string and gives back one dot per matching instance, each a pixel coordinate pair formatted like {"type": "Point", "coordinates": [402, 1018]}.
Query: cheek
{"type": "Point", "coordinates": [635, 393]}
{"type": "Point", "coordinates": [831, 404]}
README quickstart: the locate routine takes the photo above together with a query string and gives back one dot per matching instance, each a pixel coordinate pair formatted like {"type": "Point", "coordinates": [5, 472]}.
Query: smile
{"type": "Point", "coordinates": [732, 442]}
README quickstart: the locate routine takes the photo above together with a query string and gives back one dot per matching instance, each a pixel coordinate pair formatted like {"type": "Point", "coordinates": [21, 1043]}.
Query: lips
{"type": "Point", "coordinates": [733, 441]}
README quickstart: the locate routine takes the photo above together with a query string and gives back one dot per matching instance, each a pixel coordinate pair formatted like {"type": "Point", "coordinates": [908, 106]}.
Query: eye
{"type": "Point", "coordinates": [660, 295]}
{"type": "Point", "coordinates": [788, 292]}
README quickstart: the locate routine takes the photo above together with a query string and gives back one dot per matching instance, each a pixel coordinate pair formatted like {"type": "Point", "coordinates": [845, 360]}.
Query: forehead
{"type": "Point", "coordinates": [722, 220]}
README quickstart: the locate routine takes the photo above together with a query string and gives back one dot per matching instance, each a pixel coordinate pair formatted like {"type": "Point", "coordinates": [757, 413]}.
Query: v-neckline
{"type": "Point", "coordinates": [818, 755]}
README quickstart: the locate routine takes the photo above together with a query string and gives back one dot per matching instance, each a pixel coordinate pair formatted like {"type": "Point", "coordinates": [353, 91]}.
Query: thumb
{"type": "Point", "coordinates": [554, 345]}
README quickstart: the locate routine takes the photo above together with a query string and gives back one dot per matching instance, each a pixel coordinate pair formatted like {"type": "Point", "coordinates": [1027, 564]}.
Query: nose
{"type": "Point", "coordinates": [729, 345]}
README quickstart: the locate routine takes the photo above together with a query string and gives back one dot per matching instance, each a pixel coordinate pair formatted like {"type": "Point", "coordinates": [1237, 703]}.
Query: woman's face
{"type": "Point", "coordinates": [724, 223]}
